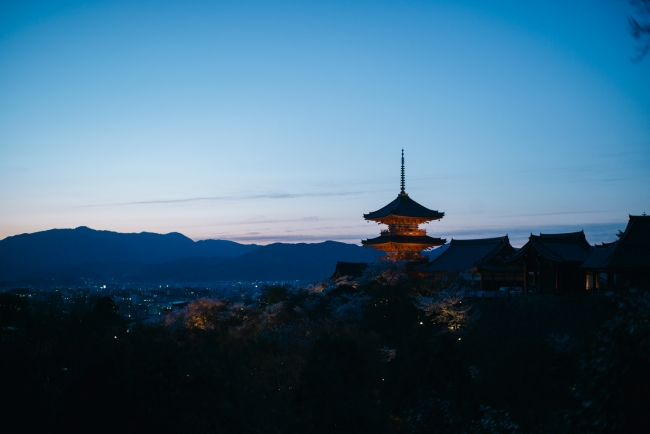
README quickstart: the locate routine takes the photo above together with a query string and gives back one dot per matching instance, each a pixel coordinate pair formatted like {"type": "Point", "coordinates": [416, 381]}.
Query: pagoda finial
{"type": "Point", "coordinates": [402, 184]}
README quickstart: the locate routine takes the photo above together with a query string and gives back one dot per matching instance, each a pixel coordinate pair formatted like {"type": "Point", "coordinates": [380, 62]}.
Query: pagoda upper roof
{"type": "Point", "coordinates": [404, 206]}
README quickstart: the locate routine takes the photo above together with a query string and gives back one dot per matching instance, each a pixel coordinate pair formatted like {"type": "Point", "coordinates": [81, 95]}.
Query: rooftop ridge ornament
{"type": "Point", "coordinates": [403, 182]}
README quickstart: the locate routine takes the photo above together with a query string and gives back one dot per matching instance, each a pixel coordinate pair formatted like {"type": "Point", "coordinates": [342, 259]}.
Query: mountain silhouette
{"type": "Point", "coordinates": [277, 261]}
{"type": "Point", "coordinates": [73, 246]}
{"type": "Point", "coordinates": [66, 252]}
{"type": "Point", "coordinates": [73, 256]}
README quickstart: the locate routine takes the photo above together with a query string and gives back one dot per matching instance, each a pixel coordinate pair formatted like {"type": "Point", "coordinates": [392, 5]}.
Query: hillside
{"type": "Point", "coordinates": [69, 256]}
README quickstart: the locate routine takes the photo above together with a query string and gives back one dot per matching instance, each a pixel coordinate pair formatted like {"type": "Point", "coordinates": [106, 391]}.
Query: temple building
{"type": "Point", "coordinates": [623, 263]}
{"type": "Point", "coordinates": [404, 240]}
{"type": "Point", "coordinates": [348, 271]}
{"type": "Point", "coordinates": [552, 263]}
{"type": "Point", "coordinates": [482, 260]}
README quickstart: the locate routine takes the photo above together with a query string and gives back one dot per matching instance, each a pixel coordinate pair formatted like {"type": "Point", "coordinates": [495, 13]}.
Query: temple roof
{"type": "Point", "coordinates": [404, 206]}
{"type": "Point", "coordinates": [568, 247]}
{"type": "Point", "coordinates": [350, 269]}
{"type": "Point", "coordinates": [631, 251]}
{"type": "Point", "coordinates": [599, 256]}
{"type": "Point", "coordinates": [424, 240]}
{"type": "Point", "coordinates": [464, 255]}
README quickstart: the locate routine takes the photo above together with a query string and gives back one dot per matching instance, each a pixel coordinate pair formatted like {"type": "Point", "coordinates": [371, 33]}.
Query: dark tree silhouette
{"type": "Point", "coordinates": [613, 381]}
{"type": "Point", "coordinates": [275, 293]}
{"type": "Point", "coordinates": [14, 311]}
{"type": "Point", "coordinates": [640, 25]}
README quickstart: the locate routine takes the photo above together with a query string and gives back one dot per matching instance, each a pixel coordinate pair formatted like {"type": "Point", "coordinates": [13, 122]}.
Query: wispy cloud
{"type": "Point", "coordinates": [256, 238]}
{"type": "Point", "coordinates": [232, 198]}
{"type": "Point", "coordinates": [595, 233]}
{"type": "Point", "coordinates": [264, 221]}
{"type": "Point", "coordinates": [8, 168]}
{"type": "Point", "coordinates": [549, 213]}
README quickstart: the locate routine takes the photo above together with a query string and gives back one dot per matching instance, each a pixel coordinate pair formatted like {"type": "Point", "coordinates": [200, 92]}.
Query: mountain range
{"type": "Point", "coordinates": [72, 256]}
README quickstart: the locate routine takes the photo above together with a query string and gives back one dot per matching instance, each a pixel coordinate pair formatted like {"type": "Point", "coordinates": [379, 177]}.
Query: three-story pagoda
{"type": "Point", "coordinates": [404, 240]}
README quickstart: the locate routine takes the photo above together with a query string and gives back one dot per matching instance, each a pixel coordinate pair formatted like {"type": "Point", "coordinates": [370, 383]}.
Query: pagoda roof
{"type": "Point", "coordinates": [424, 240]}
{"type": "Point", "coordinates": [462, 255]}
{"type": "Point", "coordinates": [631, 251]}
{"type": "Point", "coordinates": [404, 206]}
{"type": "Point", "coordinates": [567, 247]}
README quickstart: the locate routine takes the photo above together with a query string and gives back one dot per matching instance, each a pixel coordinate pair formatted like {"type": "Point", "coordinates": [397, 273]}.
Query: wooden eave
{"type": "Point", "coordinates": [403, 207]}
{"type": "Point", "coordinates": [424, 240]}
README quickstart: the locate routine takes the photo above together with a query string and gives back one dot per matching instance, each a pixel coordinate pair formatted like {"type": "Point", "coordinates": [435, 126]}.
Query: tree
{"type": "Point", "coordinates": [14, 310]}
{"type": "Point", "coordinates": [446, 307]}
{"type": "Point", "coordinates": [614, 380]}
{"type": "Point", "coordinates": [275, 293]}
{"type": "Point", "coordinates": [341, 383]}
{"type": "Point", "coordinates": [640, 25]}
{"type": "Point", "coordinates": [385, 272]}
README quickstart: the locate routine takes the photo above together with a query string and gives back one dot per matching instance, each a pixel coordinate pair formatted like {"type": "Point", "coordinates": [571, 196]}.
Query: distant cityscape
{"type": "Point", "coordinates": [144, 302]}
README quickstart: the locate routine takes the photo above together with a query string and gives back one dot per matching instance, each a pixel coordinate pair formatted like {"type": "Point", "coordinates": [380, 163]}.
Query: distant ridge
{"type": "Point", "coordinates": [74, 246]}
{"type": "Point", "coordinates": [88, 251]}
{"type": "Point", "coordinates": [277, 261]}
{"type": "Point", "coordinates": [69, 256]}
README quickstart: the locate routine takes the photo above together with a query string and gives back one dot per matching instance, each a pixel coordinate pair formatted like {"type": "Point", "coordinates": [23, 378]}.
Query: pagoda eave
{"type": "Point", "coordinates": [404, 208]}
{"type": "Point", "coordinates": [392, 248]}
{"type": "Point", "coordinates": [422, 242]}
{"type": "Point", "coordinates": [402, 220]}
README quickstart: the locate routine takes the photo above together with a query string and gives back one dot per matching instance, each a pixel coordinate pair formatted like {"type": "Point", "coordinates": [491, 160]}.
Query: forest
{"type": "Point", "coordinates": [383, 356]}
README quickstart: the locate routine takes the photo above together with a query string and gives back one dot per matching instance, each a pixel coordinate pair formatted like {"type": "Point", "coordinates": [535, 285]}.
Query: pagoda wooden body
{"type": "Point", "coordinates": [404, 240]}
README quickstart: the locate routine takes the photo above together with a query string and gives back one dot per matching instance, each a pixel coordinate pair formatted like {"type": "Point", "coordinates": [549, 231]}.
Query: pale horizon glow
{"type": "Point", "coordinates": [263, 122]}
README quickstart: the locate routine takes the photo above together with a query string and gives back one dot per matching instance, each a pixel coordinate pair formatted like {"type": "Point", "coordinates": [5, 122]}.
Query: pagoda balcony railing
{"type": "Point", "coordinates": [407, 232]}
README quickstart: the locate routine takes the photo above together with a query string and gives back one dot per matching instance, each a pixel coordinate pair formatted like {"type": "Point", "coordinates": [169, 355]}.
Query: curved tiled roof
{"type": "Point", "coordinates": [464, 254]}
{"type": "Point", "coordinates": [425, 240]}
{"type": "Point", "coordinates": [599, 256]}
{"type": "Point", "coordinates": [350, 269]}
{"type": "Point", "coordinates": [632, 251]}
{"type": "Point", "coordinates": [404, 206]}
{"type": "Point", "coordinates": [570, 247]}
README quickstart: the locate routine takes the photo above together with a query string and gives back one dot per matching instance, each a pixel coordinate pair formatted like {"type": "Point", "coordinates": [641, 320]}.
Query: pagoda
{"type": "Point", "coordinates": [404, 240]}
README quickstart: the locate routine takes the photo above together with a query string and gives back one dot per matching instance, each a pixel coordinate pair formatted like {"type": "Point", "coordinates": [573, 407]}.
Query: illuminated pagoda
{"type": "Point", "coordinates": [404, 240]}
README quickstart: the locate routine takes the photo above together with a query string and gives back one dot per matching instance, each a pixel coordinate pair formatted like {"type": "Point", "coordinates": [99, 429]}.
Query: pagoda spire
{"type": "Point", "coordinates": [402, 183]}
{"type": "Point", "coordinates": [403, 240]}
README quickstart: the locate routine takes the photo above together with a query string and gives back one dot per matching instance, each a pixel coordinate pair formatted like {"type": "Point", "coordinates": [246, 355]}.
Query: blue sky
{"type": "Point", "coordinates": [283, 121]}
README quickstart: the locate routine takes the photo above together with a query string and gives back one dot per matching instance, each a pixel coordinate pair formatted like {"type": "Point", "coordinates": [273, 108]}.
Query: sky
{"type": "Point", "coordinates": [267, 121]}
